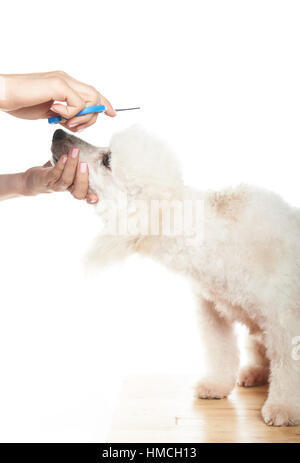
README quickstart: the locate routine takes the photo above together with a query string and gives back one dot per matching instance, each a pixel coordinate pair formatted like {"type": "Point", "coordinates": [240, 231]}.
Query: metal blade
{"type": "Point", "coordinates": [126, 109]}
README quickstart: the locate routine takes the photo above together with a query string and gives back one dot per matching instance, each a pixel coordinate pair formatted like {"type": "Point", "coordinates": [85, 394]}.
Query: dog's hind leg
{"type": "Point", "coordinates": [257, 369]}
{"type": "Point", "coordinates": [282, 407]}
{"type": "Point", "coordinates": [221, 353]}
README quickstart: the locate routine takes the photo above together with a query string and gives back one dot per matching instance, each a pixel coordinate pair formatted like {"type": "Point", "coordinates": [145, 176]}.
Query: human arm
{"type": "Point", "coordinates": [67, 174]}
{"type": "Point", "coordinates": [40, 95]}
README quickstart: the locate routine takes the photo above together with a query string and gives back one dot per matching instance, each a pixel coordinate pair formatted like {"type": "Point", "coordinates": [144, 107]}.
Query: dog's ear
{"type": "Point", "coordinates": [108, 249]}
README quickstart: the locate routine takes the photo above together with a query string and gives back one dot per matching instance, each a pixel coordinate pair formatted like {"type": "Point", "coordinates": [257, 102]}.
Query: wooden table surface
{"type": "Point", "coordinates": [162, 408]}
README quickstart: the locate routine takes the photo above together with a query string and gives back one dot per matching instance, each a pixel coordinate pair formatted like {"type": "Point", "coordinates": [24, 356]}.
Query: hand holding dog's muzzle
{"type": "Point", "coordinates": [67, 174]}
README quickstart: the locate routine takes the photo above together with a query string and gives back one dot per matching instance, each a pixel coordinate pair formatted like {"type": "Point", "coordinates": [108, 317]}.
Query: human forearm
{"type": "Point", "coordinates": [2, 91]}
{"type": "Point", "coordinates": [11, 185]}
{"type": "Point", "coordinates": [10, 87]}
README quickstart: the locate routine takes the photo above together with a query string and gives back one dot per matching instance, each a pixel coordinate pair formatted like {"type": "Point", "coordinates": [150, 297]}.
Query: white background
{"type": "Point", "coordinates": [220, 81]}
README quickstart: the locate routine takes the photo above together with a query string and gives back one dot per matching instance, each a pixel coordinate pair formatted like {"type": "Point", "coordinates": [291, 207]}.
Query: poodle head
{"type": "Point", "coordinates": [136, 163]}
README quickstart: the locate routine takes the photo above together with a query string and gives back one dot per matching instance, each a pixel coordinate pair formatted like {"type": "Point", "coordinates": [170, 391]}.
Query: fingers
{"type": "Point", "coordinates": [81, 127]}
{"type": "Point", "coordinates": [110, 110]}
{"type": "Point", "coordinates": [54, 173]}
{"type": "Point", "coordinates": [78, 95]}
{"type": "Point", "coordinates": [61, 176]}
{"type": "Point", "coordinates": [77, 124]}
{"type": "Point", "coordinates": [63, 92]}
{"type": "Point", "coordinates": [81, 181]}
{"type": "Point", "coordinates": [81, 122]}
{"type": "Point", "coordinates": [81, 185]}
{"type": "Point", "coordinates": [68, 175]}
{"type": "Point", "coordinates": [92, 98]}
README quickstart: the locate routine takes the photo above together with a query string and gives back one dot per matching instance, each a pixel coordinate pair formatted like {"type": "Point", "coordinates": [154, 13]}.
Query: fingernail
{"type": "Point", "coordinates": [64, 159]}
{"type": "Point", "coordinates": [74, 152]}
{"type": "Point", "coordinates": [80, 130]}
{"type": "Point", "coordinates": [73, 124]}
{"type": "Point", "coordinates": [92, 201]}
{"type": "Point", "coordinates": [83, 167]}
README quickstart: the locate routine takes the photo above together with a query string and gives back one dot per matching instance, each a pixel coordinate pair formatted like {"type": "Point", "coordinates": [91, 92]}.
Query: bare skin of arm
{"type": "Point", "coordinates": [11, 185]}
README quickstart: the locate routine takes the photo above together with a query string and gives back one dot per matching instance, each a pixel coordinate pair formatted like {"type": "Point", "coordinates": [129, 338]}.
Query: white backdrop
{"type": "Point", "coordinates": [220, 81]}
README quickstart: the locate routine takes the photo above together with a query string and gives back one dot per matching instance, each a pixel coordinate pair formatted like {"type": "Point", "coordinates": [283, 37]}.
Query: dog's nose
{"type": "Point", "coordinates": [58, 135]}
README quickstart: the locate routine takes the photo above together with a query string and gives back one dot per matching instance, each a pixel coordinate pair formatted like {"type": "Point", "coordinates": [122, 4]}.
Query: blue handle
{"type": "Point", "coordinates": [87, 110]}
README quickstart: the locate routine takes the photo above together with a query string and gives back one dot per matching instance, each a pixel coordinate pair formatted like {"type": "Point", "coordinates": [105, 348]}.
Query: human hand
{"type": "Point", "coordinates": [33, 96]}
{"type": "Point", "coordinates": [67, 174]}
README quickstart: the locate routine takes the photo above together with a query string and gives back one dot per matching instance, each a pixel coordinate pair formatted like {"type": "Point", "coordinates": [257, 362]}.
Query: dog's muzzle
{"type": "Point", "coordinates": [61, 144]}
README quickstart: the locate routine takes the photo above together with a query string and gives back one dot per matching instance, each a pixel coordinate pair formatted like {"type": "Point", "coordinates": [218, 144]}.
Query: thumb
{"type": "Point", "coordinates": [48, 164]}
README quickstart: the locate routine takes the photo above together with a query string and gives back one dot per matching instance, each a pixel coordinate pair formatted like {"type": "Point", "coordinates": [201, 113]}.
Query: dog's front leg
{"type": "Point", "coordinates": [221, 353]}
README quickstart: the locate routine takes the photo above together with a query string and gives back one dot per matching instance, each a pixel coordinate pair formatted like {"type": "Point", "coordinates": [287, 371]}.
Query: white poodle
{"type": "Point", "coordinates": [240, 249]}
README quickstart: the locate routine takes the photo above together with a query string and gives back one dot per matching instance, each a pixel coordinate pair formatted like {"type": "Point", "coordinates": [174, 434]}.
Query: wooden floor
{"type": "Point", "coordinates": [160, 408]}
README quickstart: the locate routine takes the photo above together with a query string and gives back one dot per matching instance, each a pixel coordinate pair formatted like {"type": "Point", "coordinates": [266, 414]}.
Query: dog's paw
{"type": "Point", "coordinates": [253, 376]}
{"type": "Point", "coordinates": [279, 415]}
{"type": "Point", "coordinates": [208, 389]}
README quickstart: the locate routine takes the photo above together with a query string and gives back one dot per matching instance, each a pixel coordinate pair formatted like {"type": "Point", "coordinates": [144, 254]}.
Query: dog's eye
{"type": "Point", "coordinates": [106, 160]}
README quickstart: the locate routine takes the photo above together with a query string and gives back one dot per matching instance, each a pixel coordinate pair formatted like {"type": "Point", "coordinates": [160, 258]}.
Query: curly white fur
{"type": "Point", "coordinates": [246, 268]}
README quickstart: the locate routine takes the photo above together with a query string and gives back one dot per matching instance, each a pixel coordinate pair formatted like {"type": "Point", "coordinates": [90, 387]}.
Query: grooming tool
{"type": "Point", "coordinates": [87, 110]}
